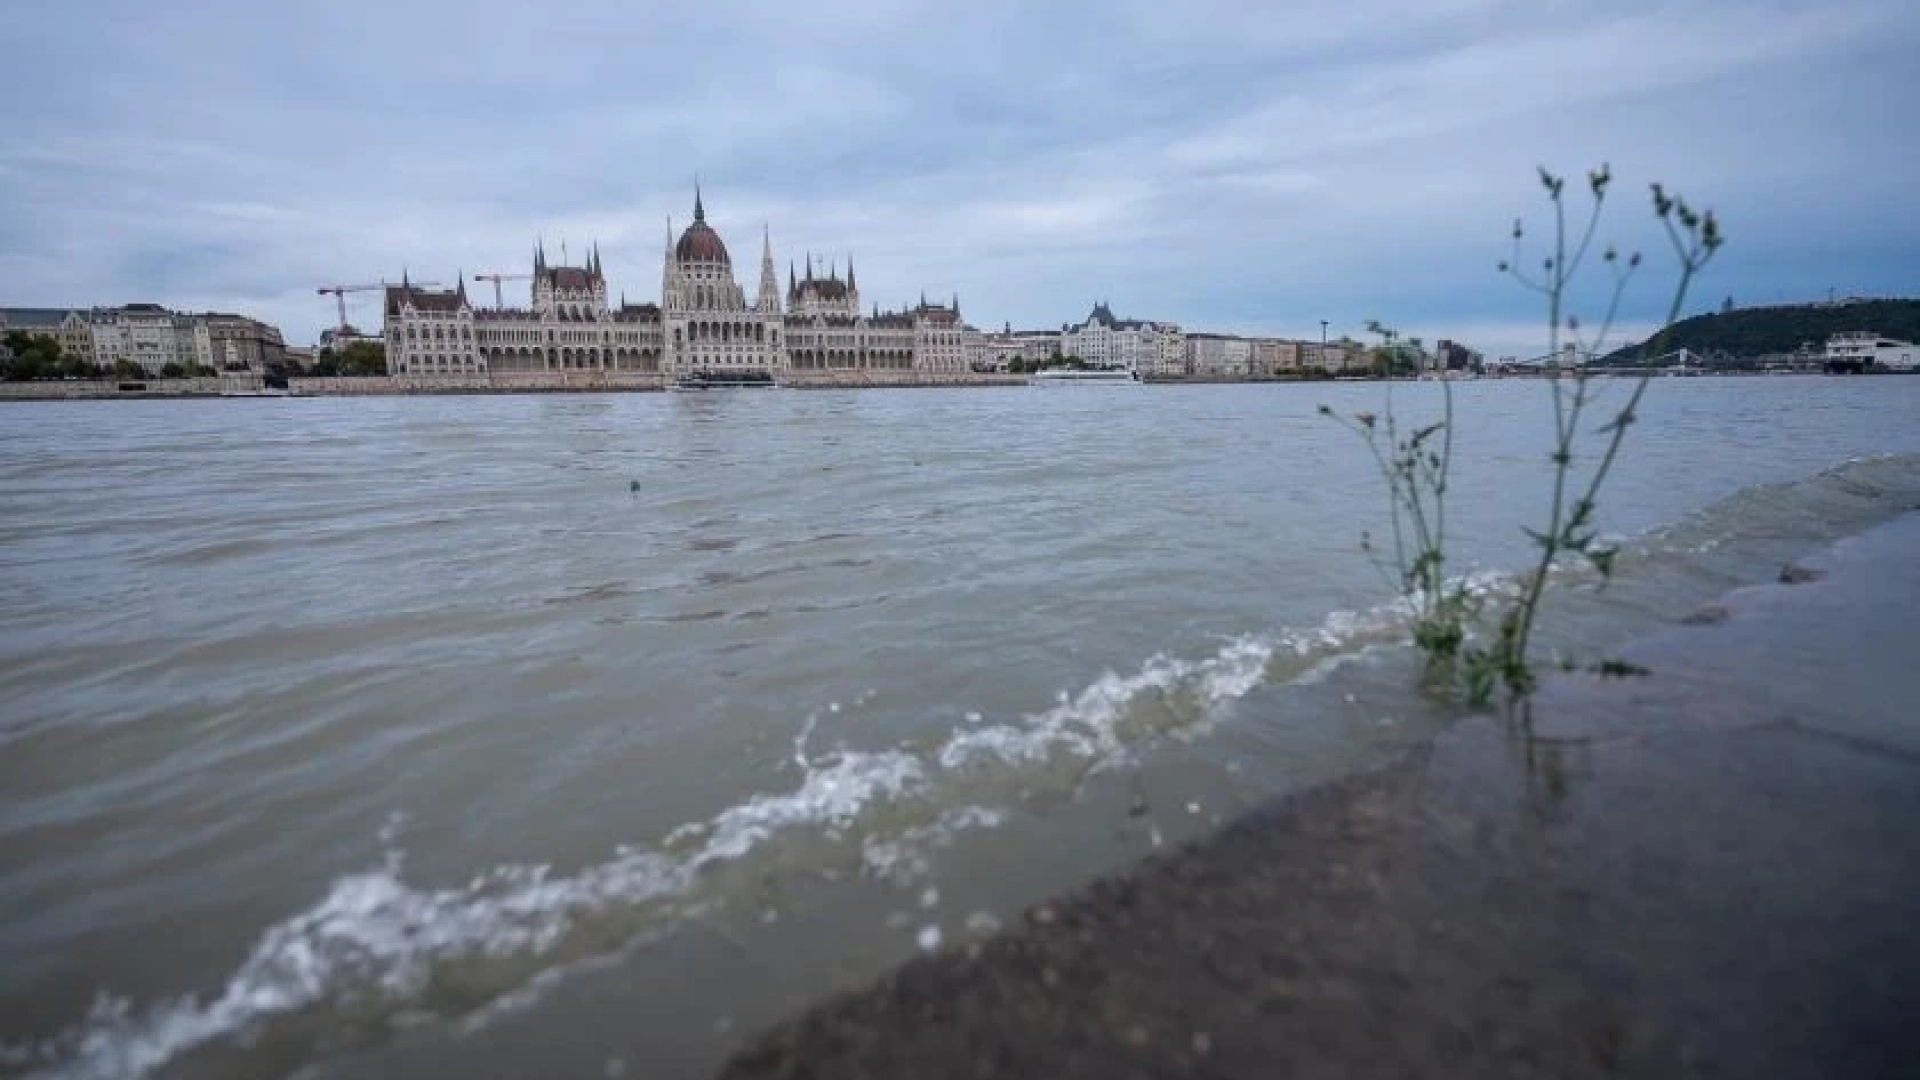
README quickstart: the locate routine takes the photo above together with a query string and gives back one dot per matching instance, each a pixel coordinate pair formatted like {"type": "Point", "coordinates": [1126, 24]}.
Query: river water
{"type": "Point", "coordinates": [582, 736]}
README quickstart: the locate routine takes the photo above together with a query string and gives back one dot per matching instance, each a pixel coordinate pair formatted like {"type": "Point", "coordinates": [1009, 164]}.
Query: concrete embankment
{"type": "Point", "coordinates": [77, 389]}
{"type": "Point", "coordinates": [1711, 871]}
{"type": "Point", "coordinates": [877, 380]}
{"type": "Point", "coordinates": [555, 382]}
{"type": "Point", "coordinates": [561, 382]}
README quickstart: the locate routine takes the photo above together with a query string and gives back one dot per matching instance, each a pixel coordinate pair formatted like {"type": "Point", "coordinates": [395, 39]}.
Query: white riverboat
{"type": "Point", "coordinates": [1071, 377]}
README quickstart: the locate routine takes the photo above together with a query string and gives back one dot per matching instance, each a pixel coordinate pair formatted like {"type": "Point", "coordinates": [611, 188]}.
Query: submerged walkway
{"type": "Point", "coordinates": [1711, 872]}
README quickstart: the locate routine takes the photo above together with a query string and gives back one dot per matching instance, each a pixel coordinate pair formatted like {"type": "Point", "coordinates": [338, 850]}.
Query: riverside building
{"type": "Point", "coordinates": [1137, 345]}
{"type": "Point", "coordinates": [704, 322]}
{"type": "Point", "coordinates": [152, 337]}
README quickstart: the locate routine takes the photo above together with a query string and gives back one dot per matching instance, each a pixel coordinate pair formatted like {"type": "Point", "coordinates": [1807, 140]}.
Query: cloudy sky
{"type": "Point", "coordinates": [1234, 165]}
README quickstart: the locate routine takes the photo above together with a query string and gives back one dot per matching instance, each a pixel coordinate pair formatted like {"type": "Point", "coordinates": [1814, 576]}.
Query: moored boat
{"type": "Point", "coordinates": [1075, 377]}
{"type": "Point", "coordinates": [724, 380]}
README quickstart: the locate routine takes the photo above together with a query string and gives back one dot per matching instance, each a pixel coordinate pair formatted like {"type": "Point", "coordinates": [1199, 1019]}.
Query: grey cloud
{"type": "Point", "coordinates": [1226, 163]}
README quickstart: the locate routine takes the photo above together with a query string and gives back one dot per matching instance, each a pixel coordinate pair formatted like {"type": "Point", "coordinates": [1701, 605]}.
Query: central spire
{"type": "Point", "coordinates": [699, 209]}
{"type": "Point", "coordinates": [769, 279]}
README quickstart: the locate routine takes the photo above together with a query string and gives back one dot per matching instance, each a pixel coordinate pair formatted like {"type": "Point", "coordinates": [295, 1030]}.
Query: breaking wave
{"type": "Point", "coordinates": [373, 934]}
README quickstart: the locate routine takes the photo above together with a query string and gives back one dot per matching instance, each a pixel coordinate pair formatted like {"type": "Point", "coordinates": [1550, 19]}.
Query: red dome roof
{"type": "Point", "coordinates": [700, 243]}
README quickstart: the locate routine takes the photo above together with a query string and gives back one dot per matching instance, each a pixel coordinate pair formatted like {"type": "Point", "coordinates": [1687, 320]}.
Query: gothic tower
{"type": "Point", "coordinates": [769, 281]}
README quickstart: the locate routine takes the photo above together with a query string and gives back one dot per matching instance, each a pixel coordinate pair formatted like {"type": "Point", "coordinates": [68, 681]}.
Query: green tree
{"type": "Point", "coordinates": [33, 357]}
{"type": "Point", "coordinates": [172, 370]}
{"type": "Point", "coordinates": [363, 359]}
{"type": "Point", "coordinates": [21, 368]}
{"type": "Point", "coordinates": [127, 369]}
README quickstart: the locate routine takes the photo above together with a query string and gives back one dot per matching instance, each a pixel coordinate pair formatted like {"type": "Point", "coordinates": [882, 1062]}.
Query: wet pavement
{"type": "Point", "coordinates": [1712, 871]}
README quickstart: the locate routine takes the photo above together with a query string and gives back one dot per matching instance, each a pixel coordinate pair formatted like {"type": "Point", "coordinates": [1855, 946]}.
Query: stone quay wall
{"type": "Point", "coordinates": [490, 383]}
{"type": "Point", "coordinates": [72, 389]}
{"type": "Point", "coordinates": [852, 380]}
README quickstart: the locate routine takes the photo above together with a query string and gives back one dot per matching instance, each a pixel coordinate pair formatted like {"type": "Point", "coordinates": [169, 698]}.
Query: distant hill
{"type": "Point", "coordinates": [1760, 331]}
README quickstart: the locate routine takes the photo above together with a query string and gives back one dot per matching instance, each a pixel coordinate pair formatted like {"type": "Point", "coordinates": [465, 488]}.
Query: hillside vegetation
{"type": "Point", "coordinates": [1761, 331]}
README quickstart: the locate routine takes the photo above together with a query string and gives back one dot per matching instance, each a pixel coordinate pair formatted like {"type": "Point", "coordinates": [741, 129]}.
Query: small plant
{"type": "Point", "coordinates": [1415, 466]}
{"type": "Point", "coordinates": [1570, 529]}
{"type": "Point", "coordinates": [1416, 471]}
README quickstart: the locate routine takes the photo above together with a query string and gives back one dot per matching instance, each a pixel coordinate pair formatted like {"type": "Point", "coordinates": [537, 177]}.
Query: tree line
{"type": "Point", "coordinates": [361, 359]}
{"type": "Point", "coordinates": [1020, 365]}
{"type": "Point", "coordinates": [33, 356]}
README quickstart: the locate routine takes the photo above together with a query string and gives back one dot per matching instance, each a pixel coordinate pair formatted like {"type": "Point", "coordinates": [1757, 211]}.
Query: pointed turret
{"type": "Point", "coordinates": [850, 284]}
{"type": "Point", "coordinates": [669, 300]}
{"type": "Point", "coordinates": [769, 279]}
{"type": "Point", "coordinates": [460, 289]}
{"type": "Point", "coordinates": [699, 208]}
{"type": "Point", "coordinates": [956, 305]}
{"type": "Point", "coordinates": [793, 283]}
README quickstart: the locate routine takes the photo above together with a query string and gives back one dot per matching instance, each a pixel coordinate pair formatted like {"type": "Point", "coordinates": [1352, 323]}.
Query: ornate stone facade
{"type": "Point", "coordinates": [567, 326]}
{"type": "Point", "coordinates": [153, 337]}
{"type": "Point", "coordinates": [709, 326]}
{"type": "Point", "coordinates": [1138, 345]}
{"type": "Point", "coordinates": [240, 344]}
{"type": "Point", "coordinates": [703, 324]}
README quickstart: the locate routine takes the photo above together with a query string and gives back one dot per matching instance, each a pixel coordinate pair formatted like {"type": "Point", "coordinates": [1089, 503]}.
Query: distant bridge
{"type": "Point", "coordinates": [1677, 362]}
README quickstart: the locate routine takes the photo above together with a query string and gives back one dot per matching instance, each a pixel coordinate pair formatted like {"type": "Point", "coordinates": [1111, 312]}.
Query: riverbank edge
{"type": "Point", "coordinates": [254, 386]}
{"type": "Point", "coordinates": [1708, 871]}
{"type": "Point", "coordinates": [244, 387]}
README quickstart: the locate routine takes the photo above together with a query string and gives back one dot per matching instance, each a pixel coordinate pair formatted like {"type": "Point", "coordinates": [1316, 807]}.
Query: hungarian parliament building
{"type": "Point", "coordinates": [703, 325]}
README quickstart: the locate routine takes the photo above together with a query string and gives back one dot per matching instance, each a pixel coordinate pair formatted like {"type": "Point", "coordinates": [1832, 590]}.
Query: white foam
{"type": "Point", "coordinates": [373, 932]}
{"type": "Point", "coordinates": [908, 856]}
{"type": "Point", "coordinates": [832, 796]}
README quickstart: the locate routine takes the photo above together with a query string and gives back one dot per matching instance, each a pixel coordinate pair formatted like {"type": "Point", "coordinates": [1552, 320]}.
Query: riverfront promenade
{"type": "Point", "coordinates": [1709, 872]}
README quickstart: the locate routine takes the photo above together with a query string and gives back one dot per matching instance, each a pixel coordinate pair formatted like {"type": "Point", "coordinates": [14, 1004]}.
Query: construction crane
{"type": "Point", "coordinates": [497, 279]}
{"type": "Point", "coordinates": [339, 294]}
